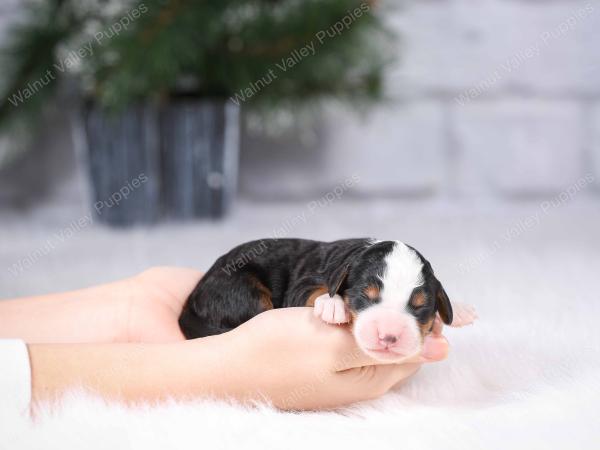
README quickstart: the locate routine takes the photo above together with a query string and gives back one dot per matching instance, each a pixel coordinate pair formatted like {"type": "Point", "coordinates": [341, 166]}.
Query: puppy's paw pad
{"type": "Point", "coordinates": [331, 309]}
{"type": "Point", "coordinates": [463, 314]}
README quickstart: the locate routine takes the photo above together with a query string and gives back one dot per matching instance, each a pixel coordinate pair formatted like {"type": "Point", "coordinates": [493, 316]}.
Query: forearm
{"type": "Point", "coordinates": [219, 367]}
{"type": "Point", "coordinates": [285, 356]}
{"type": "Point", "coordinates": [58, 318]}
{"type": "Point", "coordinates": [130, 372]}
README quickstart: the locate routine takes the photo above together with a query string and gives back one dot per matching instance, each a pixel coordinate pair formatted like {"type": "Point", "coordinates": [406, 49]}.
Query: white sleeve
{"type": "Point", "coordinates": [15, 376]}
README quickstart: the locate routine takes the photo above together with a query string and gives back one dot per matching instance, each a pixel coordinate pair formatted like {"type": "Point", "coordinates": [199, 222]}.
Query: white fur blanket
{"type": "Point", "coordinates": [526, 375]}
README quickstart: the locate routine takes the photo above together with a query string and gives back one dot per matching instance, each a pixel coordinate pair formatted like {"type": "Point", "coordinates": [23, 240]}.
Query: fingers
{"type": "Point", "coordinates": [438, 326]}
{"type": "Point", "coordinates": [181, 280]}
{"type": "Point", "coordinates": [435, 348]}
{"type": "Point", "coordinates": [341, 342]}
{"type": "Point", "coordinates": [164, 330]}
{"type": "Point", "coordinates": [175, 282]}
{"type": "Point", "coordinates": [464, 314]}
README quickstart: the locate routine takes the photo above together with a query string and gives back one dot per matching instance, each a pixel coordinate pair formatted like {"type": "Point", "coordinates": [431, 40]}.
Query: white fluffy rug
{"type": "Point", "coordinates": [527, 375]}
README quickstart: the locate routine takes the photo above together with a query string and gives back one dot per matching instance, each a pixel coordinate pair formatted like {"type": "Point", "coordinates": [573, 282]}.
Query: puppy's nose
{"type": "Point", "coordinates": [389, 339]}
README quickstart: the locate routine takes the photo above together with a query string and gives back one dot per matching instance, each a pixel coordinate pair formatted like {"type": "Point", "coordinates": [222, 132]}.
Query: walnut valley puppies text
{"type": "Point", "coordinates": [297, 55]}
{"type": "Point", "coordinates": [122, 194]}
{"type": "Point", "coordinates": [70, 60]}
{"type": "Point", "coordinates": [75, 226]}
{"type": "Point", "coordinates": [289, 224]}
{"type": "Point", "coordinates": [386, 289]}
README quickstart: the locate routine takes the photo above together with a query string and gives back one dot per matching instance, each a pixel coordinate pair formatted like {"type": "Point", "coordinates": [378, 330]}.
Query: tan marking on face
{"type": "Point", "coordinates": [425, 328]}
{"type": "Point", "coordinates": [418, 300]}
{"type": "Point", "coordinates": [372, 293]}
{"type": "Point", "coordinates": [316, 293]}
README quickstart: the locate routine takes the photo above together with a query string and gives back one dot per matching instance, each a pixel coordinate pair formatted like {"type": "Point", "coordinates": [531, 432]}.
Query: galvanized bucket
{"type": "Point", "coordinates": [199, 154]}
{"type": "Point", "coordinates": [176, 161]}
{"type": "Point", "coordinates": [124, 164]}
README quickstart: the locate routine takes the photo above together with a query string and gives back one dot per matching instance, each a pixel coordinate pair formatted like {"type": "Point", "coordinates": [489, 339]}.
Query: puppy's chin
{"type": "Point", "coordinates": [388, 356]}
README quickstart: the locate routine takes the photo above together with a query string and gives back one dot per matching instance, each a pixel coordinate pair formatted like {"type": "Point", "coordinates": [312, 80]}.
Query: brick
{"type": "Point", "coordinates": [392, 149]}
{"type": "Point", "coordinates": [594, 145]}
{"type": "Point", "coordinates": [397, 149]}
{"type": "Point", "coordinates": [491, 46]}
{"type": "Point", "coordinates": [282, 165]}
{"type": "Point", "coordinates": [518, 147]}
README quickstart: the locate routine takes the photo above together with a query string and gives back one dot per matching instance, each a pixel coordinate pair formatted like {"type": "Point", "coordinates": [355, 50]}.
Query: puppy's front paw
{"type": "Point", "coordinates": [331, 309]}
{"type": "Point", "coordinates": [463, 314]}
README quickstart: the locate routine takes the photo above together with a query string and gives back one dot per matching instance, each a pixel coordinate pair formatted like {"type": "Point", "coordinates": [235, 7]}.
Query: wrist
{"type": "Point", "coordinates": [125, 372]}
{"type": "Point", "coordinates": [218, 366]}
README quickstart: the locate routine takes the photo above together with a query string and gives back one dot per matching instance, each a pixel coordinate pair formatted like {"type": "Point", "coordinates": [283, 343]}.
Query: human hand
{"type": "Point", "coordinates": [285, 356]}
{"type": "Point", "coordinates": [298, 362]}
{"type": "Point", "coordinates": [142, 308]}
{"type": "Point", "coordinates": [151, 311]}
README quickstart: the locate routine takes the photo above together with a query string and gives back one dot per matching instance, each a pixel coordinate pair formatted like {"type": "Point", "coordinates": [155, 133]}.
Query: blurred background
{"type": "Point", "coordinates": [166, 132]}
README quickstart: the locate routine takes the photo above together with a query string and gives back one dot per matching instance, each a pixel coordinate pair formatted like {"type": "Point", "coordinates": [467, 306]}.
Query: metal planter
{"type": "Point", "coordinates": [177, 161]}
{"type": "Point", "coordinates": [123, 148]}
{"type": "Point", "coordinates": [199, 154]}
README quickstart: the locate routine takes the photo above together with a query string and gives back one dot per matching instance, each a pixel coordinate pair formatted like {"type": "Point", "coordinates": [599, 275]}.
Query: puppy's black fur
{"type": "Point", "coordinates": [278, 273]}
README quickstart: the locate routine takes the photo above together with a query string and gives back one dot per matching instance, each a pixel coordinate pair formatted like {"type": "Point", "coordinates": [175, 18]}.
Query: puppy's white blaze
{"type": "Point", "coordinates": [401, 275]}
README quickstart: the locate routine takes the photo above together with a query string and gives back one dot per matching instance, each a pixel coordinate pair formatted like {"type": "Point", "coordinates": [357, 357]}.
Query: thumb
{"type": "Point", "coordinates": [435, 348]}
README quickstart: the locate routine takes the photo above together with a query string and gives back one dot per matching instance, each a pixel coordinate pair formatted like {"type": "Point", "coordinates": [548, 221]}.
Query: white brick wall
{"type": "Point", "coordinates": [519, 146]}
{"type": "Point", "coordinates": [544, 47]}
{"type": "Point", "coordinates": [493, 98]}
{"type": "Point", "coordinates": [594, 143]}
{"type": "Point", "coordinates": [409, 160]}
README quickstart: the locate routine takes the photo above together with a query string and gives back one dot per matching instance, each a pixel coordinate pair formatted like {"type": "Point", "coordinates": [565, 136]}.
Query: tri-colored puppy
{"type": "Point", "coordinates": [386, 288]}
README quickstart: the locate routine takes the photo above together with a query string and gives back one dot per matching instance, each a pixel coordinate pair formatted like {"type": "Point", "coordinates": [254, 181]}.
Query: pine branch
{"type": "Point", "coordinates": [33, 50]}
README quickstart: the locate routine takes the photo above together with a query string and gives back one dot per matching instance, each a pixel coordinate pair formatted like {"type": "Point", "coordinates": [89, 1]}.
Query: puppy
{"type": "Point", "coordinates": [387, 289]}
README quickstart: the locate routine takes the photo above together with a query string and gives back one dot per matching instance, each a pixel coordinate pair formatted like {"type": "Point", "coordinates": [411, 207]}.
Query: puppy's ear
{"type": "Point", "coordinates": [336, 279]}
{"type": "Point", "coordinates": [442, 304]}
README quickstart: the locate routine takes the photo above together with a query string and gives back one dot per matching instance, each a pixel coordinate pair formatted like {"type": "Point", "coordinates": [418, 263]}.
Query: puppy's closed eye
{"type": "Point", "coordinates": [418, 299]}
